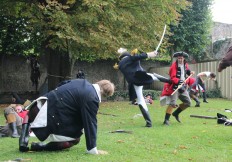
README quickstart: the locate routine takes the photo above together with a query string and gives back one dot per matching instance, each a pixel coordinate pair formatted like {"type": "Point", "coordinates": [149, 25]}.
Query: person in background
{"type": "Point", "coordinates": [80, 74]}
{"type": "Point", "coordinates": [178, 72]}
{"type": "Point", "coordinates": [193, 92]}
{"type": "Point", "coordinates": [14, 115]}
{"type": "Point", "coordinates": [148, 99]}
{"type": "Point", "coordinates": [199, 83]}
{"type": "Point", "coordinates": [35, 71]}
{"type": "Point", "coordinates": [61, 115]}
{"type": "Point", "coordinates": [15, 99]}
{"type": "Point", "coordinates": [19, 109]}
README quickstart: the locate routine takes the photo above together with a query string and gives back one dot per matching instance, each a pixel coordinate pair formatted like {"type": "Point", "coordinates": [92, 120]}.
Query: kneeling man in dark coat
{"type": "Point", "coordinates": [61, 116]}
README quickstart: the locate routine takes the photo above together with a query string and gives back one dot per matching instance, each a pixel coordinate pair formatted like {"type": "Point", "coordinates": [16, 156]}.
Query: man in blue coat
{"type": "Point", "coordinates": [61, 115]}
{"type": "Point", "coordinates": [136, 76]}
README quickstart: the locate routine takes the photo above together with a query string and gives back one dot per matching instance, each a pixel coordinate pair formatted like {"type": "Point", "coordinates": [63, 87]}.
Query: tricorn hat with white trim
{"type": "Point", "coordinates": [181, 53]}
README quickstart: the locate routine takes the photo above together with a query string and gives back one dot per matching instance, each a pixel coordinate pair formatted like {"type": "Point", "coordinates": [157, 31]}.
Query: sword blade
{"type": "Point", "coordinates": [161, 39]}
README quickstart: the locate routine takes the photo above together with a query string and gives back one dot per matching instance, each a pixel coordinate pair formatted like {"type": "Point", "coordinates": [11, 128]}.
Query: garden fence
{"type": "Point", "coordinates": [224, 78]}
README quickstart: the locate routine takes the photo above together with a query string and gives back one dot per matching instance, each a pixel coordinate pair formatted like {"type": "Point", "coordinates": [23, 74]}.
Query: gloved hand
{"type": "Point", "coordinates": [152, 54]}
{"type": "Point", "coordinates": [116, 66]}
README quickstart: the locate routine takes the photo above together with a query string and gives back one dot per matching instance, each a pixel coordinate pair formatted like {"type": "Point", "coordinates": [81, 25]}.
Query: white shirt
{"type": "Point", "coordinates": [204, 75]}
{"type": "Point", "coordinates": [182, 71]}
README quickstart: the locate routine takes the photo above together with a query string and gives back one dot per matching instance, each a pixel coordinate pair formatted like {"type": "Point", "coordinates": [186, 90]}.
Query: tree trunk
{"type": "Point", "coordinates": [59, 68]}
{"type": "Point", "coordinates": [1, 71]}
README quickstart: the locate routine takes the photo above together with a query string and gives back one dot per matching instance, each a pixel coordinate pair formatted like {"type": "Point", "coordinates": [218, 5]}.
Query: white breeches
{"type": "Point", "coordinates": [140, 97]}
{"type": "Point", "coordinates": [153, 77]}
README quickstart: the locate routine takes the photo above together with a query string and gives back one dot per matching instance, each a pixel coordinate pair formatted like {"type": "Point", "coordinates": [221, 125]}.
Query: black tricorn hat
{"type": "Point", "coordinates": [124, 55]}
{"type": "Point", "coordinates": [181, 53]}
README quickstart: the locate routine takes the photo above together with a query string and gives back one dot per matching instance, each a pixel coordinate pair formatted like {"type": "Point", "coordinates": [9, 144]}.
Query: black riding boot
{"type": "Point", "coordinates": [176, 114]}
{"type": "Point", "coordinates": [197, 102]}
{"type": "Point", "coordinates": [24, 138]}
{"type": "Point", "coordinates": [162, 78]}
{"type": "Point", "coordinates": [146, 116]}
{"type": "Point", "coordinates": [204, 98]}
{"type": "Point", "coordinates": [53, 146]}
{"type": "Point", "coordinates": [166, 119]}
{"type": "Point", "coordinates": [14, 130]}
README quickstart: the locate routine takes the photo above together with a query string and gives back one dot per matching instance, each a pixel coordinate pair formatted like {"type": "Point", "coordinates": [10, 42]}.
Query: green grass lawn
{"type": "Point", "coordinates": [192, 140]}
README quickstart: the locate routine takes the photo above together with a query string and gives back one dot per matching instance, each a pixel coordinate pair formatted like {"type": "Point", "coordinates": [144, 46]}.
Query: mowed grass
{"type": "Point", "coordinates": [192, 140]}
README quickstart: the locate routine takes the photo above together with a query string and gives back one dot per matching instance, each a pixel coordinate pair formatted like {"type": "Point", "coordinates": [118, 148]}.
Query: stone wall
{"type": "Point", "coordinates": [15, 75]}
{"type": "Point", "coordinates": [221, 31]}
{"type": "Point", "coordinates": [221, 40]}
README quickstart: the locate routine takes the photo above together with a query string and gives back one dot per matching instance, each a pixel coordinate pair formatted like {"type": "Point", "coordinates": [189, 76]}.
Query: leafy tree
{"type": "Point", "coordinates": [16, 37]}
{"type": "Point", "coordinates": [91, 30]}
{"type": "Point", "coordinates": [192, 33]}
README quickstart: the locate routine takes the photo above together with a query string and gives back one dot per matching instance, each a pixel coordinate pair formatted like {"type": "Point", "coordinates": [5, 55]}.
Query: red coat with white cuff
{"type": "Point", "coordinates": [174, 73]}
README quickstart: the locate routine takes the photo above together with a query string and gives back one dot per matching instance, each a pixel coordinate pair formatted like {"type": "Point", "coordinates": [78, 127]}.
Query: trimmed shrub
{"type": "Point", "coordinates": [123, 95]}
{"type": "Point", "coordinates": [214, 93]}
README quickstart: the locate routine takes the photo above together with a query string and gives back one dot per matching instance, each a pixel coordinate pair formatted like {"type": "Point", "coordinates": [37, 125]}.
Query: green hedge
{"type": "Point", "coordinates": [214, 93]}
{"type": "Point", "coordinates": [123, 95]}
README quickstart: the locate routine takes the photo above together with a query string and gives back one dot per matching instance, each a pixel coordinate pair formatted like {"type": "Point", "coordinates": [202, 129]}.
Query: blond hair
{"type": "Point", "coordinates": [106, 88]}
{"type": "Point", "coordinates": [134, 51]}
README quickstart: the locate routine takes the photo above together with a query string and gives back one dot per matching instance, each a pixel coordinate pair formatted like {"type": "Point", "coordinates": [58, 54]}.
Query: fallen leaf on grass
{"type": "Point", "coordinates": [120, 141]}
{"type": "Point", "coordinates": [175, 152]}
{"type": "Point", "coordinates": [194, 137]}
{"type": "Point", "coordinates": [102, 152]}
{"type": "Point", "coordinates": [182, 147]}
{"type": "Point", "coordinates": [210, 142]}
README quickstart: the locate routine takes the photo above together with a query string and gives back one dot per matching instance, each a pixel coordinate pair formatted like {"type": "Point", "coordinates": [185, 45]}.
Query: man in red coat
{"type": "Point", "coordinates": [178, 73]}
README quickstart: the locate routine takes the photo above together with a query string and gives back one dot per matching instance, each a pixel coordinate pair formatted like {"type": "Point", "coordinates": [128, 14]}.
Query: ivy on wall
{"type": "Point", "coordinates": [217, 45]}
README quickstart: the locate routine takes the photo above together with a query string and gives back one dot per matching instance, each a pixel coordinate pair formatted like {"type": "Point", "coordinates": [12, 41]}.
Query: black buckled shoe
{"type": "Point", "coordinates": [166, 122]}
{"type": "Point", "coordinates": [177, 118]}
